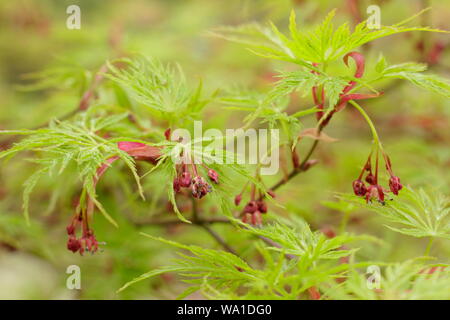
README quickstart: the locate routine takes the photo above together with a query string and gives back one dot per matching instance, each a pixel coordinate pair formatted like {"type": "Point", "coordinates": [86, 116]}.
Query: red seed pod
{"type": "Point", "coordinates": [237, 199]}
{"type": "Point", "coordinates": [395, 185]}
{"type": "Point", "coordinates": [213, 175]}
{"type": "Point", "coordinates": [359, 188]}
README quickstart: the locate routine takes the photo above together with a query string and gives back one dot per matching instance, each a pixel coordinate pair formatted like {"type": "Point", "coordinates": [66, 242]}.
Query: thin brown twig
{"type": "Point", "coordinates": [218, 238]}
{"type": "Point", "coordinates": [82, 105]}
{"type": "Point", "coordinates": [214, 234]}
{"type": "Point", "coordinates": [164, 222]}
{"type": "Point", "coordinates": [295, 171]}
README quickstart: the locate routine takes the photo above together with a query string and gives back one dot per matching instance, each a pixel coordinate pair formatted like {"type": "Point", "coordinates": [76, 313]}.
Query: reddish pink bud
{"type": "Point", "coordinates": [213, 175]}
{"type": "Point", "coordinates": [74, 244]}
{"type": "Point", "coordinates": [271, 193]}
{"type": "Point", "coordinates": [70, 229]}
{"type": "Point", "coordinates": [359, 188]}
{"type": "Point", "coordinates": [185, 179]}
{"type": "Point", "coordinates": [262, 206]}
{"type": "Point", "coordinates": [176, 185]}
{"type": "Point", "coordinates": [251, 207]}
{"type": "Point", "coordinates": [237, 199]}
{"type": "Point", "coordinates": [436, 53]}
{"type": "Point", "coordinates": [200, 187]}
{"type": "Point", "coordinates": [370, 179]}
{"type": "Point", "coordinates": [167, 134]}
{"type": "Point", "coordinates": [395, 185]}
{"type": "Point", "coordinates": [328, 232]}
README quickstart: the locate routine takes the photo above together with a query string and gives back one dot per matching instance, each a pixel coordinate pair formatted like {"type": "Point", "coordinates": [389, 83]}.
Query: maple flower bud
{"type": "Point", "coordinates": [271, 193]}
{"type": "Point", "coordinates": [370, 179]}
{"type": "Point", "coordinates": [91, 242]}
{"type": "Point", "coordinates": [176, 185]}
{"type": "Point", "coordinates": [395, 185]}
{"type": "Point", "coordinates": [74, 245]}
{"type": "Point", "coordinates": [213, 175]}
{"type": "Point", "coordinates": [237, 199]}
{"type": "Point", "coordinates": [251, 207]}
{"type": "Point", "coordinates": [262, 206]}
{"type": "Point", "coordinates": [167, 134]}
{"type": "Point", "coordinates": [359, 188]}
{"type": "Point", "coordinates": [185, 179]}
{"type": "Point", "coordinates": [70, 229]}
{"type": "Point", "coordinates": [200, 187]}
{"type": "Point", "coordinates": [328, 232]}
{"type": "Point", "coordinates": [375, 192]}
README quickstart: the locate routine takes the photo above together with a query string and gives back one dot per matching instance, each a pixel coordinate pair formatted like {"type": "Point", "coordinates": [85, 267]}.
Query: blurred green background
{"type": "Point", "coordinates": [413, 124]}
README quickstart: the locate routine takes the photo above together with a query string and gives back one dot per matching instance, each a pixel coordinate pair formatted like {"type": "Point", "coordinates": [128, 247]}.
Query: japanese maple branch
{"type": "Point", "coordinates": [196, 221]}
{"type": "Point", "coordinates": [164, 222]}
{"type": "Point", "coordinates": [296, 170]}
{"type": "Point", "coordinates": [214, 234]}
{"type": "Point", "coordinates": [82, 105]}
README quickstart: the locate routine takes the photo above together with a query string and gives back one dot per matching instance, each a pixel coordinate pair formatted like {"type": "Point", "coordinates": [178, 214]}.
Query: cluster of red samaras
{"type": "Point", "coordinates": [374, 191]}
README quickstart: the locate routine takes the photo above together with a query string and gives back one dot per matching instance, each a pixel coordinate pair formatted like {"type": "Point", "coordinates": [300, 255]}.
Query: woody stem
{"type": "Point", "coordinates": [208, 229]}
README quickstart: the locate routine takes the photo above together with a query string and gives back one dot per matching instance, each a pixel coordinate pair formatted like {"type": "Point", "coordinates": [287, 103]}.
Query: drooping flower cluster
{"type": "Point", "coordinates": [194, 181]}
{"type": "Point", "coordinates": [374, 191]}
{"type": "Point", "coordinates": [87, 241]}
{"type": "Point", "coordinates": [188, 174]}
{"type": "Point", "coordinates": [253, 210]}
